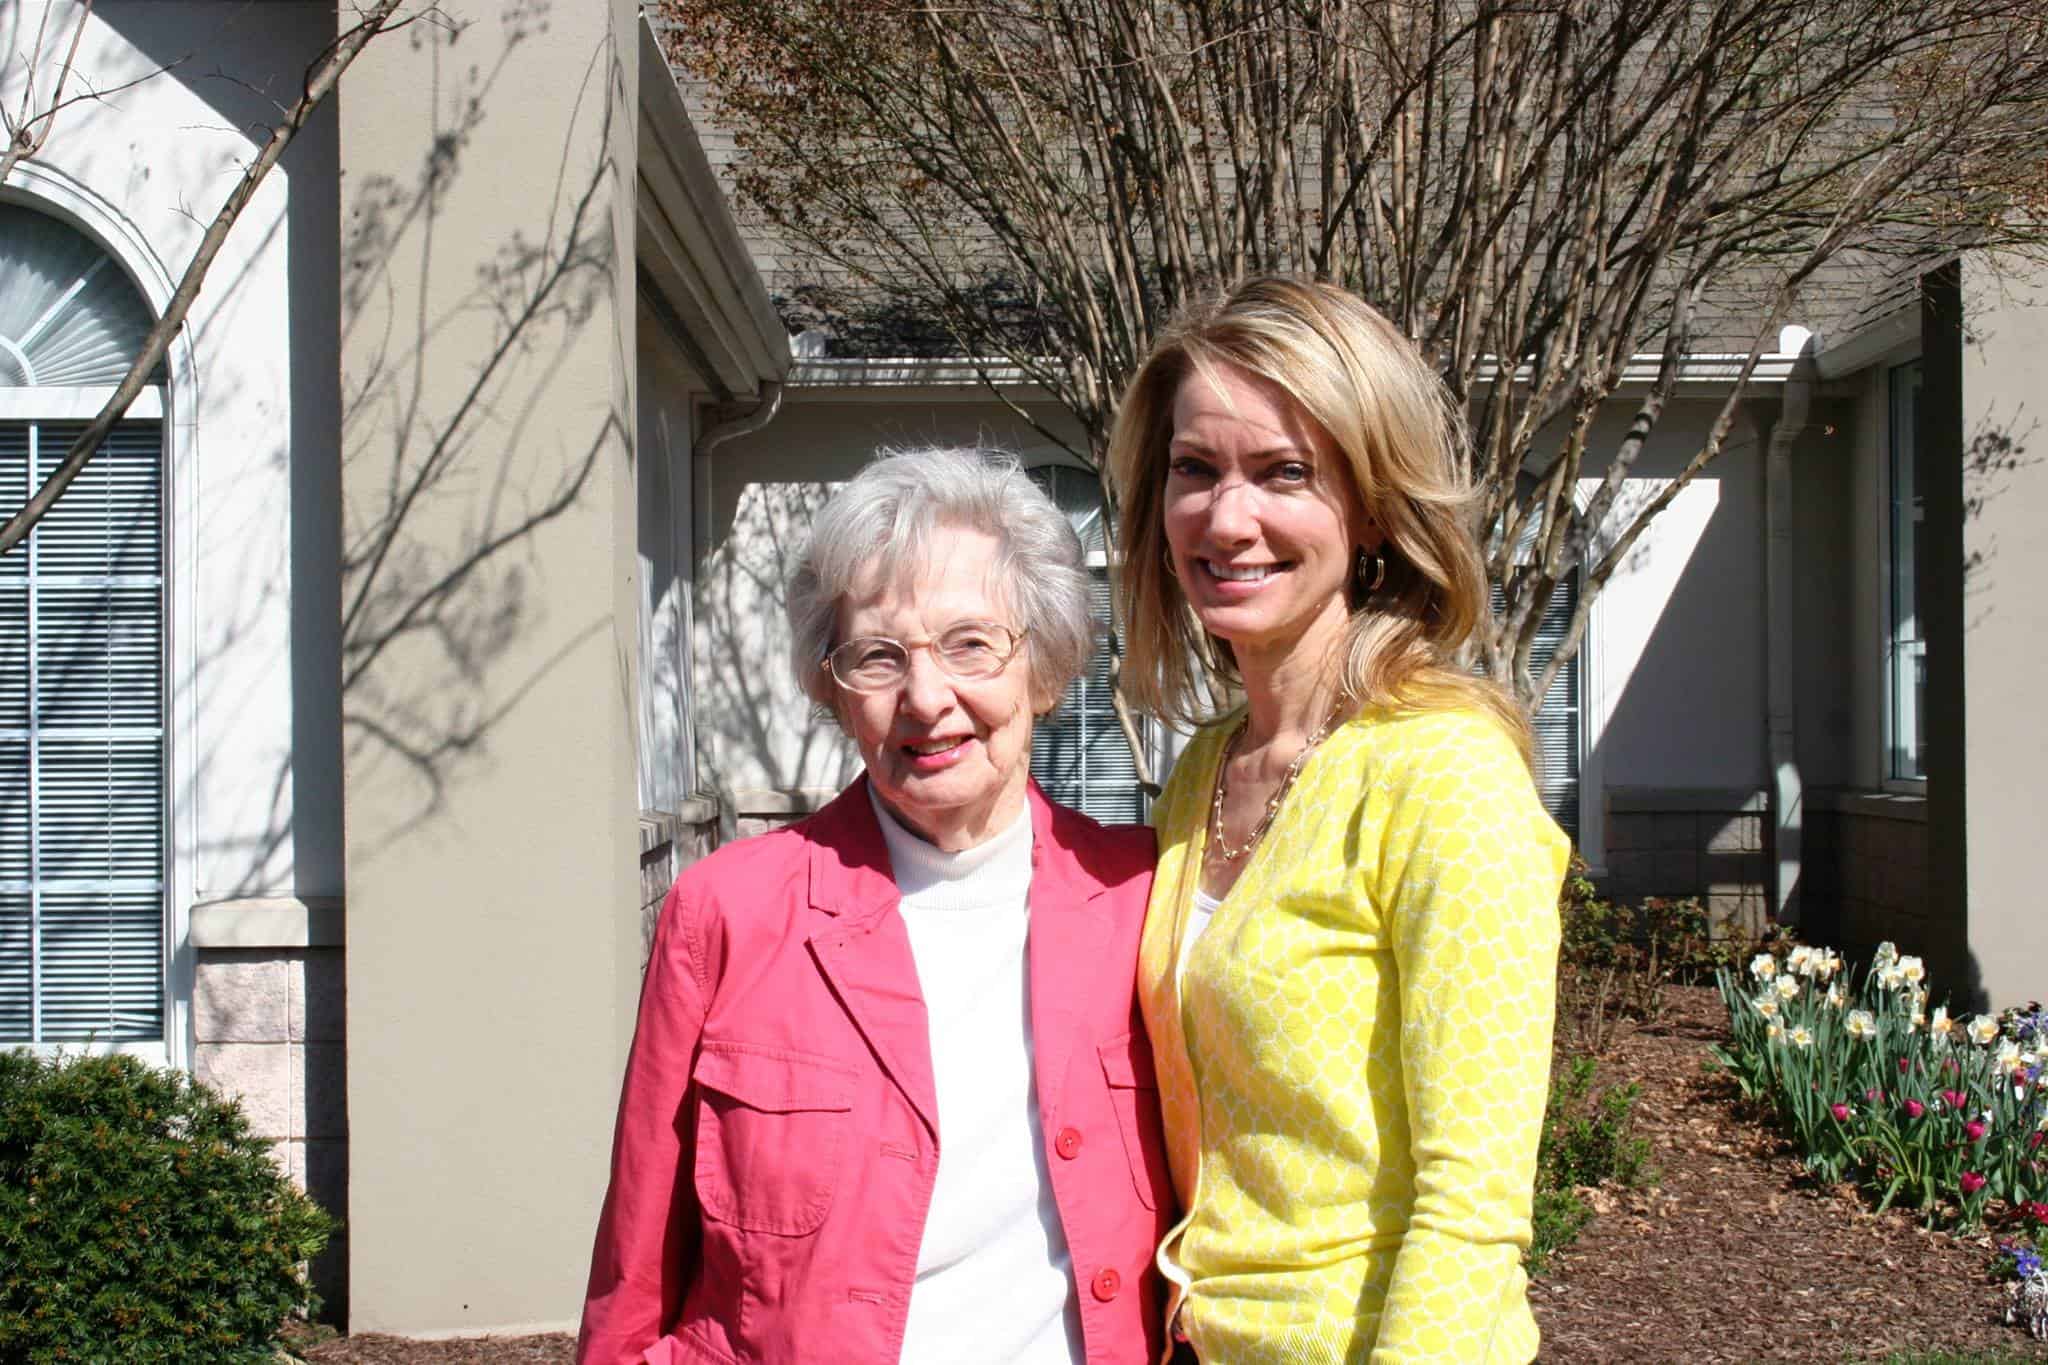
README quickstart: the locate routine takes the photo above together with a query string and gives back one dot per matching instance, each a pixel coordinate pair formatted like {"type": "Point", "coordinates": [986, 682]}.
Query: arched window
{"type": "Point", "coordinates": [82, 848]}
{"type": "Point", "coordinates": [1080, 755]}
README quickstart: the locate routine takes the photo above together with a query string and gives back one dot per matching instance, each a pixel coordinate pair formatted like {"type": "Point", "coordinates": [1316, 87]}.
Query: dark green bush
{"type": "Point", "coordinates": [1588, 1139]}
{"type": "Point", "coordinates": [140, 1220]}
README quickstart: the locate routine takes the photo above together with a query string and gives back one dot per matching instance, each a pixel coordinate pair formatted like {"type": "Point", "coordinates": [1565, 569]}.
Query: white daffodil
{"type": "Point", "coordinates": [1775, 1033]}
{"type": "Point", "coordinates": [1890, 977]}
{"type": "Point", "coordinates": [1941, 1025]}
{"type": "Point", "coordinates": [1830, 963]}
{"type": "Point", "coordinates": [1917, 1022]}
{"type": "Point", "coordinates": [1766, 1005]}
{"type": "Point", "coordinates": [1800, 962]}
{"type": "Point", "coordinates": [1913, 969]}
{"type": "Point", "coordinates": [2008, 1054]}
{"type": "Point", "coordinates": [1763, 966]}
{"type": "Point", "coordinates": [1834, 997]}
{"type": "Point", "coordinates": [1788, 987]}
{"type": "Point", "coordinates": [1860, 1024]}
{"type": "Point", "coordinates": [1983, 1030]}
{"type": "Point", "coordinates": [1886, 954]}
{"type": "Point", "coordinates": [1801, 1037]}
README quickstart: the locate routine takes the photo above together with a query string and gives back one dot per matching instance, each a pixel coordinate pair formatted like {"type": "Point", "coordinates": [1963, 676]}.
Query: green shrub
{"type": "Point", "coordinates": [1588, 1139]}
{"type": "Point", "coordinates": [140, 1220]}
{"type": "Point", "coordinates": [1614, 961]}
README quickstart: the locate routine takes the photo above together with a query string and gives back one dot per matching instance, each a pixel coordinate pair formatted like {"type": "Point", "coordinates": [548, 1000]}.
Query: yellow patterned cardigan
{"type": "Point", "coordinates": [1366, 1022]}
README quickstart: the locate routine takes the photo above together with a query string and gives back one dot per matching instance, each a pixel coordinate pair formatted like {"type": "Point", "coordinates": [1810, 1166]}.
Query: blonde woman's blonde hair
{"type": "Point", "coordinates": [1403, 445]}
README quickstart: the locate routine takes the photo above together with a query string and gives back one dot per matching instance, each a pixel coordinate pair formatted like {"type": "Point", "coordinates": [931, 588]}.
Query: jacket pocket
{"type": "Point", "coordinates": [1134, 1094]}
{"type": "Point", "coordinates": [769, 1127]}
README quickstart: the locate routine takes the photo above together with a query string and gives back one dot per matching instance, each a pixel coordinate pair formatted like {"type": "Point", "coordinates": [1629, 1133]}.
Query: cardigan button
{"type": "Point", "coordinates": [1068, 1143]}
{"type": "Point", "coordinates": [1107, 1284]}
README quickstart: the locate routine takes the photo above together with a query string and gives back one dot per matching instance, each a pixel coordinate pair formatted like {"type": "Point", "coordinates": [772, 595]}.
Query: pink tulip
{"type": "Point", "coordinates": [1971, 1183]}
{"type": "Point", "coordinates": [1954, 1099]}
{"type": "Point", "coordinates": [1905, 1065]}
{"type": "Point", "coordinates": [1914, 1109]}
{"type": "Point", "coordinates": [1974, 1129]}
{"type": "Point", "coordinates": [1873, 1095]}
{"type": "Point", "coordinates": [1840, 1111]}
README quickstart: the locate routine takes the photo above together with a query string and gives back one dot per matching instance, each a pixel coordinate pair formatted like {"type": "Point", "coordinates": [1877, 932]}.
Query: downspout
{"type": "Point", "coordinates": [1779, 611]}
{"type": "Point", "coordinates": [746, 424]}
{"type": "Point", "coordinates": [731, 428]}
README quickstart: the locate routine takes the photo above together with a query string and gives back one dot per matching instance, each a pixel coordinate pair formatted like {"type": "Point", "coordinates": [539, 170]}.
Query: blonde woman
{"type": "Point", "coordinates": [1348, 961]}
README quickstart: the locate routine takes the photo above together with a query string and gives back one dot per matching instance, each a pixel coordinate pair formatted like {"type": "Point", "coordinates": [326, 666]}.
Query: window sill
{"type": "Point", "coordinates": [1878, 805]}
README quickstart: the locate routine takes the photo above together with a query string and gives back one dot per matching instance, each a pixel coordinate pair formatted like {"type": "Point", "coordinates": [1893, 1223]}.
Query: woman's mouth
{"type": "Point", "coordinates": [930, 755]}
{"type": "Point", "coordinates": [1250, 575]}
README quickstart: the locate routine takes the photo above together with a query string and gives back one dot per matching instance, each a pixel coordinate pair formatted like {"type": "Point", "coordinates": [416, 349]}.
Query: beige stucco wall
{"type": "Point", "coordinates": [491, 649]}
{"type": "Point", "coordinates": [2005, 548]}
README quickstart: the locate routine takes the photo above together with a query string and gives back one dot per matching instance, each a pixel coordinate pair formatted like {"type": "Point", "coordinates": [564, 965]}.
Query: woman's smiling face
{"type": "Point", "coordinates": [1260, 517]}
{"type": "Point", "coordinates": [949, 757]}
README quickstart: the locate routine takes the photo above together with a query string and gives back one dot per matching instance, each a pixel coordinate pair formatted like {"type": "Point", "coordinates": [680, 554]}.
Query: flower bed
{"type": "Point", "coordinates": [1923, 1110]}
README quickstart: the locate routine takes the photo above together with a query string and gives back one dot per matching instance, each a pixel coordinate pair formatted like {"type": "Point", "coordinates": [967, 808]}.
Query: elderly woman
{"type": "Point", "coordinates": [890, 1097]}
{"type": "Point", "coordinates": [1348, 965]}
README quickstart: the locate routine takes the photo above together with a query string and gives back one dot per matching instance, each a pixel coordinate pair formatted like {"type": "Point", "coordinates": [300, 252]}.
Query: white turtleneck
{"type": "Point", "coordinates": [993, 1275]}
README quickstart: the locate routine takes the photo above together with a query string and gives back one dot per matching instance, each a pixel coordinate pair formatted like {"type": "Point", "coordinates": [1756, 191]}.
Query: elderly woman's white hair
{"type": "Point", "coordinates": [882, 521]}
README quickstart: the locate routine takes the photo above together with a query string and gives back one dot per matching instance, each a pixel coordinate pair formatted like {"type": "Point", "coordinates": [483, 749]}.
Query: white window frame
{"type": "Point", "coordinates": [175, 404]}
{"type": "Point", "coordinates": [1887, 569]}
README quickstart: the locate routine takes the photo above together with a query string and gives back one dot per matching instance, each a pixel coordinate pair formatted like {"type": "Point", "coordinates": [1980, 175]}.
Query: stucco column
{"type": "Point", "coordinates": [2003, 623]}
{"type": "Point", "coordinates": [489, 652]}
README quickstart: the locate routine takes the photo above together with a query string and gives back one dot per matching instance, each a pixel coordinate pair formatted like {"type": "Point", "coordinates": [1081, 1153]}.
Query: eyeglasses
{"type": "Point", "coordinates": [969, 650]}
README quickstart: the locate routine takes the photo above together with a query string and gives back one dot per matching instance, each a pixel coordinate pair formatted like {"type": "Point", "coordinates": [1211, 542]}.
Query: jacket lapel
{"type": "Point", "coordinates": [1067, 950]}
{"type": "Point", "coordinates": [863, 949]}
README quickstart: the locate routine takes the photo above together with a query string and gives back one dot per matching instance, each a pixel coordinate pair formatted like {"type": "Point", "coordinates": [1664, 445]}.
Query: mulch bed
{"type": "Point", "coordinates": [1733, 1257]}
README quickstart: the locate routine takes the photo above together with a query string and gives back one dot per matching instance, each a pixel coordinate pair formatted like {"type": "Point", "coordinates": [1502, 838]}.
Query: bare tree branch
{"type": "Point", "coordinates": [1552, 199]}
{"type": "Point", "coordinates": [320, 80]}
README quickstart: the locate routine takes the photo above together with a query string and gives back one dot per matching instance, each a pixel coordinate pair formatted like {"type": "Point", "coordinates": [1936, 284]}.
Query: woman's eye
{"type": "Point", "coordinates": [1292, 471]}
{"type": "Point", "coordinates": [969, 642]}
{"type": "Point", "coordinates": [1187, 467]}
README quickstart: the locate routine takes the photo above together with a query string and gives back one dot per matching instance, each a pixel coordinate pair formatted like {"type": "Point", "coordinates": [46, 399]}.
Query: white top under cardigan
{"type": "Point", "coordinates": [994, 1279]}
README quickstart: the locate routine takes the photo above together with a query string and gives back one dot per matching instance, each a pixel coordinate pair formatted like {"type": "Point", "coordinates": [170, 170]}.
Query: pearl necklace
{"type": "Point", "coordinates": [1216, 843]}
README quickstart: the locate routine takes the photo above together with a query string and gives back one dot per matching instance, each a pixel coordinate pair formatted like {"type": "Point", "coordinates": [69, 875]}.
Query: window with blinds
{"type": "Point", "coordinates": [1079, 754]}
{"type": "Point", "coordinates": [1556, 722]}
{"type": "Point", "coordinates": [82, 856]}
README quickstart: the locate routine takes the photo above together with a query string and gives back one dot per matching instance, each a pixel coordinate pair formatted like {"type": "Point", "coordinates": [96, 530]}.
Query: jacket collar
{"type": "Point", "coordinates": [850, 875]}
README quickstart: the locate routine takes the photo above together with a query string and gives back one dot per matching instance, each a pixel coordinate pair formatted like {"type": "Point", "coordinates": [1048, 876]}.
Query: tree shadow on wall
{"type": "Point", "coordinates": [442, 630]}
{"type": "Point", "coordinates": [1995, 454]}
{"type": "Point", "coordinates": [758, 730]}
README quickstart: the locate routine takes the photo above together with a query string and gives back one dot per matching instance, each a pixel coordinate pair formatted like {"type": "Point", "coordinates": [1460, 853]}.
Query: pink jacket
{"type": "Point", "coordinates": [778, 1137]}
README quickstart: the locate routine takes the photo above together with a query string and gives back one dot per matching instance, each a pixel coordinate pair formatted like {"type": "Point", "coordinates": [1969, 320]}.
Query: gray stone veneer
{"type": "Point", "coordinates": [268, 1029]}
{"type": "Point", "coordinates": [1711, 844]}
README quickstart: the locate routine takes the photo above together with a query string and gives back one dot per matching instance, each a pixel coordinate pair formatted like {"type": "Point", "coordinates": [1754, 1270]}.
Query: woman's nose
{"type": "Point", "coordinates": [927, 689]}
{"type": "Point", "coordinates": [1233, 511]}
